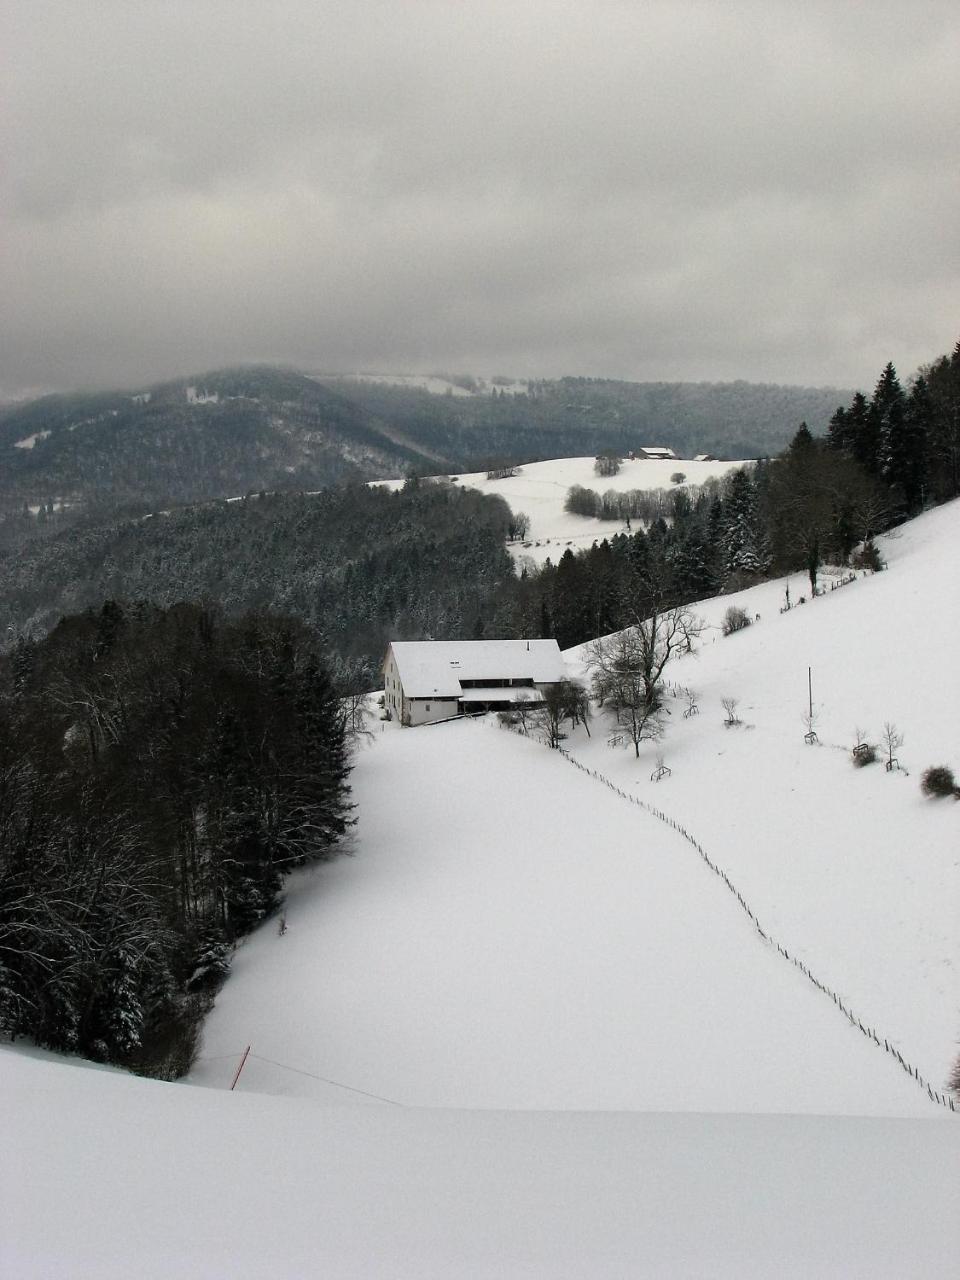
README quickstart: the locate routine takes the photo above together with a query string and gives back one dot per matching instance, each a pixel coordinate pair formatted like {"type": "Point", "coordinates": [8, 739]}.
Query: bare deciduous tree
{"type": "Point", "coordinates": [645, 649]}
{"type": "Point", "coordinates": [730, 708]}
{"type": "Point", "coordinates": [623, 681]}
{"type": "Point", "coordinates": [892, 741]}
{"type": "Point", "coordinates": [565, 700]}
{"type": "Point", "coordinates": [810, 718]}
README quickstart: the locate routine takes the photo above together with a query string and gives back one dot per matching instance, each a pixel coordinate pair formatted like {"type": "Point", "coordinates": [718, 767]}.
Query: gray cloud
{"type": "Point", "coordinates": [643, 190]}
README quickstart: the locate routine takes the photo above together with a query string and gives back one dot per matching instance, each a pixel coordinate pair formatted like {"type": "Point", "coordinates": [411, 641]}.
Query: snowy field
{"type": "Point", "coordinates": [540, 488]}
{"type": "Point", "coordinates": [512, 936]}
{"type": "Point", "coordinates": [526, 1031]}
{"type": "Point", "coordinates": [112, 1177]}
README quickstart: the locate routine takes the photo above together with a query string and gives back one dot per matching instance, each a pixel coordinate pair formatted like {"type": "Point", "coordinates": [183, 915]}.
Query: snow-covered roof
{"type": "Point", "coordinates": [657, 451]}
{"type": "Point", "coordinates": [436, 667]}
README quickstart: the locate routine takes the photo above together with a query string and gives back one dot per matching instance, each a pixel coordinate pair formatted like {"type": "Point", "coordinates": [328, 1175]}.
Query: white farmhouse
{"type": "Point", "coordinates": [430, 680]}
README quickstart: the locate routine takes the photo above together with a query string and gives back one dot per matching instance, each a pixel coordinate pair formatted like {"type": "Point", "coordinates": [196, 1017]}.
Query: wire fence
{"type": "Point", "coordinates": [882, 1042]}
{"type": "Point", "coordinates": [300, 1071]}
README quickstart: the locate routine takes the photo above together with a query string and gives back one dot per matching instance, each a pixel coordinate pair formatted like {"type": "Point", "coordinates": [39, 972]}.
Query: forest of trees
{"type": "Point", "coordinates": [908, 439]}
{"type": "Point", "coordinates": [359, 565]}
{"type": "Point", "coordinates": [161, 770]}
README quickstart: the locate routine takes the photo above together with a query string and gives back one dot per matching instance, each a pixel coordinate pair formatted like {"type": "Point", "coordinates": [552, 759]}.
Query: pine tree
{"type": "Point", "coordinates": [839, 431]}
{"type": "Point", "coordinates": [743, 537]}
{"type": "Point", "coordinates": [943, 437]}
{"type": "Point", "coordinates": [917, 418]}
{"type": "Point", "coordinates": [862, 433]}
{"type": "Point", "coordinates": [888, 413]}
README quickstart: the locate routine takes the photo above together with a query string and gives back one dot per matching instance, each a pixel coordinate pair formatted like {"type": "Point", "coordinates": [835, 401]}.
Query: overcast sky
{"type": "Point", "coordinates": [642, 190]}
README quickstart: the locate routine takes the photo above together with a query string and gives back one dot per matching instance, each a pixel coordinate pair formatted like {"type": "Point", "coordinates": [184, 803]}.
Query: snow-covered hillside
{"type": "Point", "coordinates": [512, 936]}
{"type": "Point", "coordinates": [540, 488]}
{"type": "Point", "coordinates": [107, 1177]}
{"type": "Point", "coordinates": [854, 869]}
{"type": "Point", "coordinates": [440, 384]}
{"type": "Point", "coordinates": [501, 1028]}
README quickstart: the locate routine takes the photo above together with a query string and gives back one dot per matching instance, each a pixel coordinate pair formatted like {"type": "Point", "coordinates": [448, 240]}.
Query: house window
{"type": "Point", "coordinates": [427, 707]}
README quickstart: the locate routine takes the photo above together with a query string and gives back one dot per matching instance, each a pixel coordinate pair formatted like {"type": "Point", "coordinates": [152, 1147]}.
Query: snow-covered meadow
{"type": "Point", "coordinates": [527, 1031]}
{"type": "Point", "coordinates": [539, 489]}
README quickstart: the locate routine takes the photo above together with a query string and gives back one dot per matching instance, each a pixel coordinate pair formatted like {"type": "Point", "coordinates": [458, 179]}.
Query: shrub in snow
{"type": "Point", "coordinates": [938, 781]}
{"type": "Point", "coordinates": [211, 962]}
{"type": "Point", "coordinates": [735, 619]}
{"type": "Point", "coordinates": [864, 753]}
{"type": "Point", "coordinates": [730, 710]}
{"type": "Point", "coordinates": [867, 557]}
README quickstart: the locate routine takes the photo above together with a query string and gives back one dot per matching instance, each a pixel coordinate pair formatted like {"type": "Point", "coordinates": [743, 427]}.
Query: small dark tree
{"type": "Point", "coordinates": [518, 527]}
{"type": "Point", "coordinates": [581, 502]}
{"type": "Point", "coordinates": [608, 463]}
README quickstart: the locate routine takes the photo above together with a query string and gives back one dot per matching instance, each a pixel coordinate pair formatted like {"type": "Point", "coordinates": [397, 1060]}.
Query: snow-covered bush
{"type": "Point", "coordinates": [938, 780]}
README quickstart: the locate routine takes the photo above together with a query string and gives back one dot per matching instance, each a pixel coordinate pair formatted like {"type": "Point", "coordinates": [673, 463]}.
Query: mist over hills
{"type": "Point", "coordinates": [240, 430]}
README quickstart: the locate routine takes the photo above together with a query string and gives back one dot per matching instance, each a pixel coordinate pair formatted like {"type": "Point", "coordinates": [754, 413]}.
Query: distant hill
{"type": "Point", "coordinates": [234, 431]}
{"type": "Point", "coordinates": [213, 435]}
{"type": "Point", "coordinates": [471, 420]}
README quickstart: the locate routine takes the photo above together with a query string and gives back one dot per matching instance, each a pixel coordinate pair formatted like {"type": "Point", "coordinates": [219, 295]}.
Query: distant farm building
{"type": "Point", "coordinates": [430, 680]}
{"type": "Point", "coordinates": [652, 452]}
{"type": "Point", "coordinates": [705, 457]}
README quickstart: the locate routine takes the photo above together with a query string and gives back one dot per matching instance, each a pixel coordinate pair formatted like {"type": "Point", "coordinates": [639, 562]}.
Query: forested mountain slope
{"type": "Point", "coordinates": [572, 416]}
{"type": "Point", "coordinates": [356, 564]}
{"type": "Point", "coordinates": [210, 436]}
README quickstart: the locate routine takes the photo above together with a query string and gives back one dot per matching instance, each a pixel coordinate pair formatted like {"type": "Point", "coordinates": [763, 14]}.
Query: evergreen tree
{"type": "Point", "coordinates": [888, 413]}
{"type": "Point", "coordinates": [863, 433]}
{"type": "Point", "coordinates": [743, 538]}
{"type": "Point", "coordinates": [943, 435]}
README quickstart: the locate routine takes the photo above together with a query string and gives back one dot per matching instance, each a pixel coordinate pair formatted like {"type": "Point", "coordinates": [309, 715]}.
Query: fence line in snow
{"type": "Point", "coordinates": [299, 1071]}
{"type": "Point", "coordinates": [882, 1042]}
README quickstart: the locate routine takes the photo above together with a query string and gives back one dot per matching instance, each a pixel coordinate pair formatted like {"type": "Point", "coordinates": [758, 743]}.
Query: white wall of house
{"type": "Point", "coordinates": [426, 710]}
{"type": "Point", "coordinates": [392, 692]}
